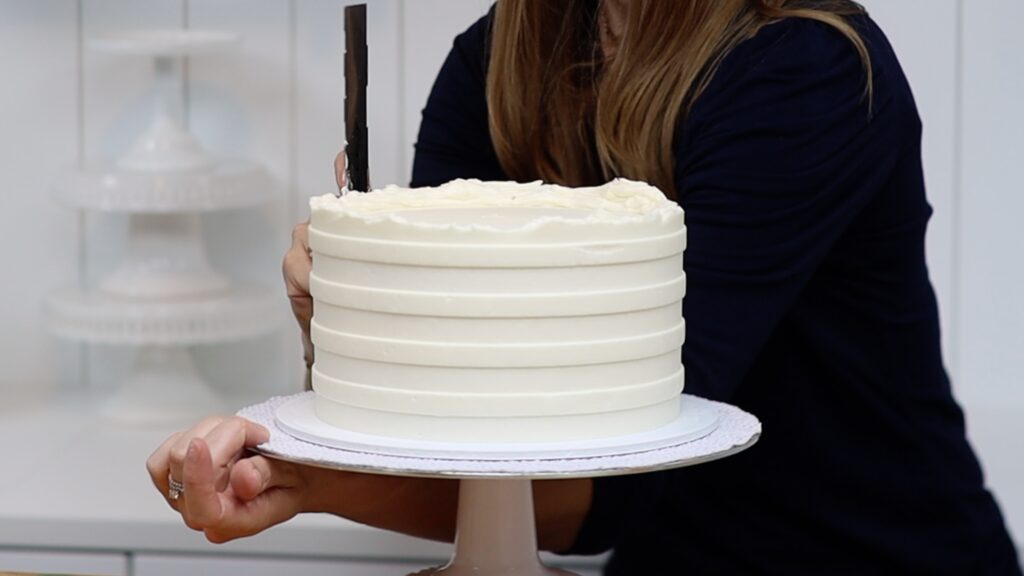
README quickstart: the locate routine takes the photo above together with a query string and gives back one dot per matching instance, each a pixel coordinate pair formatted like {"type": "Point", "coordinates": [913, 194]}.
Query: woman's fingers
{"type": "Point", "coordinates": [179, 448]}
{"type": "Point", "coordinates": [209, 460]}
{"type": "Point", "coordinates": [298, 263]}
{"type": "Point", "coordinates": [271, 508]}
{"type": "Point", "coordinates": [227, 443]}
{"type": "Point", "coordinates": [158, 465]}
{"type": "Point", "coordinates": [254, 476]}
{"type": "Point", "coordinates": [233, 435]}
{"type": "Point", "coordinates": [226, 514]}
{"type": "Point", "coordinates": [339, 169]}
{"type": "Point", "coordinates": [203, 506]}
{"type": "Point", "coordinates": [296, 268]}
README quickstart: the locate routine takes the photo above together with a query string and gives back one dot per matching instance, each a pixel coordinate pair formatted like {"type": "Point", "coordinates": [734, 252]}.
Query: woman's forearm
{"type": "Point", "coordinates": [561, 506]}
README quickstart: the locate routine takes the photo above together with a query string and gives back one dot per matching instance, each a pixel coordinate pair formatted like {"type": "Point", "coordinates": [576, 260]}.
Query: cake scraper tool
{"type": "Point", "coordinates": [357, 166]}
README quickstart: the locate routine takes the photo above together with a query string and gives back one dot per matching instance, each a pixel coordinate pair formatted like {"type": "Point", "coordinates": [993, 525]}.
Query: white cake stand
{"type": "Point", "coordinates": [163, 385]}
{"type": "Point", "coordinates": [496, 535]}
{"type": "Point", "coordinates": [164, 296]}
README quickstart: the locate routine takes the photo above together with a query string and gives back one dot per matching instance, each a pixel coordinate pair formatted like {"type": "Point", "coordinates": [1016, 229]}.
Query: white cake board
{"type": "Point", "coordinates": [496, 534]}
{"type": "Point", "coordinates": [297, 417]}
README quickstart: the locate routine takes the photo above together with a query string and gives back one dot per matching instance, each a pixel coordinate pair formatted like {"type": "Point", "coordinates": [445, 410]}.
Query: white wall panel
{"type": "Point", "coordinates": [118, 99]}
{"type": "Point", "coordinates": [118, 90]}
{"type": "Point", "coordinates": [52, 562]}
{"type": "Point", "coordinates": [384, 92]}
{"type": "Point", "coordinates": [240, 105]}
{"type": "Point", "coordinates": [318, 130]}
{"type": "Point", "coordinates": [991, 278]}
{"type": "Point", "coordinates": [929, 57]}
{"type": "Point", "coordinates": [239, 100]}
{"type": "Point", "coordinates": [39, 116]}
{"type": "Point", "coordinates": [319, 92]}
{"type": "Point", "coordinates": [992, 315]}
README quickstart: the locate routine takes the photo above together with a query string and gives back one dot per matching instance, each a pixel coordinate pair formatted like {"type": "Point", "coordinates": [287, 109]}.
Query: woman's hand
{"type": "Point", "coordinates": [227, 493]}
{"type": "Point", "coordinates": [297, 265]}
{"type": "Point", "coordinates": [339, 169]}
{"type": "Point", "coordinates": [298, 262]}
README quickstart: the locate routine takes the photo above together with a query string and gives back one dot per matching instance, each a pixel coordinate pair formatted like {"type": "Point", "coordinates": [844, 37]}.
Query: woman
{"type": "Point", "coordinates": [788, 133]}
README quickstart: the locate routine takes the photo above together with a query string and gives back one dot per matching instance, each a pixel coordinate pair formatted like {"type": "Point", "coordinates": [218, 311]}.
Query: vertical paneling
{"type": "Point", "coordinates": [992, 318]}
{"type": "Point", "coordinates": [318, 89]}
{"type": "Point", "coordinates": [118, 90]}
{"type": "Point", "coordinates": [39, 115]}
{"type": "Point", "coordinates": [118, 99]}
{"type": "Point", "coordinates": [991, 314]}
{"type": "Point", "coordinates": [239, 99]}
{"type": "Point", "coordinates": [318, 133]}
{"type": "Point", "coordinates": [240, 105]}
{"type": "Point", "coordinates": [929, 55]}
{"type": "Point", "coordinates": [429, 27]}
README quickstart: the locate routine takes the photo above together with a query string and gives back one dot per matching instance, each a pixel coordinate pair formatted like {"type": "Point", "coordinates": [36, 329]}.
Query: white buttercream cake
{"type": "Point", "coordinates": [498, 312]}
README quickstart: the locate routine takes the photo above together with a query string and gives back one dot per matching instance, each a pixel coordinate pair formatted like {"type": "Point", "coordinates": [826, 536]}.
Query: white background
{"type": "Point", "coordinates": [277, 99]}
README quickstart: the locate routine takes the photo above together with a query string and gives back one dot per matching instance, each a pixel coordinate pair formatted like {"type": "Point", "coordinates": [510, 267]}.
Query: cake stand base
{"type": "Point", "coordinates": [165, 260]}
{"type": "Point", "coordinates": [163, 387]}
{"type": "Point", "coordinates": [496, 535]}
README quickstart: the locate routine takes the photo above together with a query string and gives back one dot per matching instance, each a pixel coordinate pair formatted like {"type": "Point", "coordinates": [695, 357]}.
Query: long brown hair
{"type": "Point", "coordinates": [562, 113]}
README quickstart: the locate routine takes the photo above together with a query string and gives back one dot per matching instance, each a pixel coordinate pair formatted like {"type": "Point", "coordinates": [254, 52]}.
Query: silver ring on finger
{"type": "Point", "coordinates": [175, 490]}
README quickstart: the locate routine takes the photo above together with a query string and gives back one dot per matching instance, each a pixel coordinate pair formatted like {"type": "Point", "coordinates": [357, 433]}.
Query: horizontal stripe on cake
{"type": "Point", "coordinates": [512, 354]}
{"type": "Point", "coordinates": [376, 324]}
{"type": "Point", "coordinates": [588, 400]}
{"type": "Point", "coordinates": [498, 305]}
{"type": "Point", "coordinates": [528, 379]}
{"type": "Point", "coordinates": [386, 276]}
{"type": "Point", "coordinates": [593, 253]}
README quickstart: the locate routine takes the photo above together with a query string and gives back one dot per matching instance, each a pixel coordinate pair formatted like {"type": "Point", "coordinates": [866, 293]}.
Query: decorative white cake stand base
{"type": "Point", "coordinates": [163, 385]}
{"type": "Point", "coordinates": [496, 535]}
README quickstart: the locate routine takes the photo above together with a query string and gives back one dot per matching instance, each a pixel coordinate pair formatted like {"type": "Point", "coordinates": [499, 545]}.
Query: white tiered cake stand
{"type": "Point", "coordinates": [164, 296]}
{"type": "Point", "coordinates": [496, 535]}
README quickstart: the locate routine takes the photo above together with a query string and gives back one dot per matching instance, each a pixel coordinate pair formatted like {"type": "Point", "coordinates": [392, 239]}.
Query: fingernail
{"type": "Point", "coordinates": [193, 450]}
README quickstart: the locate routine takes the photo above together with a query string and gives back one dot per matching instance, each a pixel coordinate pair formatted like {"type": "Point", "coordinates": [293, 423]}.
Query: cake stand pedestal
{"type": "Point", "coordinates": [496, 532]}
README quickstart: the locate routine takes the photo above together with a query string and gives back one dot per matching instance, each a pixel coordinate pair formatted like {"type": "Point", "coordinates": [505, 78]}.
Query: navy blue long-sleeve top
{"type": "Point", "coordinates": [808, 304]}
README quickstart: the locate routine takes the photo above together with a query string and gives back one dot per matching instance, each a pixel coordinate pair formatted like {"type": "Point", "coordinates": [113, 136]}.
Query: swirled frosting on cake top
{"type": "Point", "coordinates": [500, 206]}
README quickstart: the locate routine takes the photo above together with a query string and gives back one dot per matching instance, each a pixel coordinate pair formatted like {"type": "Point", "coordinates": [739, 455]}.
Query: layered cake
{"type": "Point", "coordinates": [498, 312]}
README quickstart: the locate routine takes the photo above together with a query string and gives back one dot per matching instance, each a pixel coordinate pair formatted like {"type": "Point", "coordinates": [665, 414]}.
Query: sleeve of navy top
{"type": "Point", "coordinates": [776, 160]}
